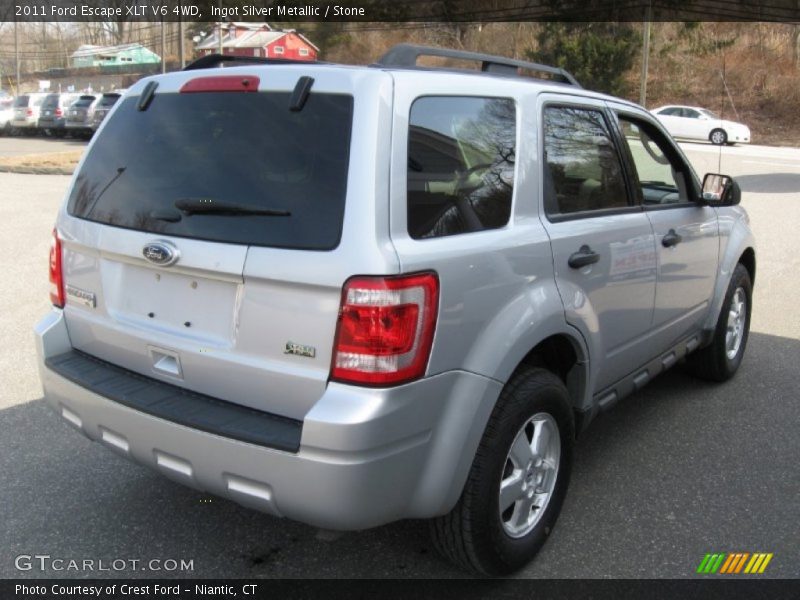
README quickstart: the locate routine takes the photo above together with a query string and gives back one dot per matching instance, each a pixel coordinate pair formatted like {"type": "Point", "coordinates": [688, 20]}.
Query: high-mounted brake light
{"type": "Point", "coordinates": [56, 273]}
{"type": "Point", "coordinates": [385, 329]}
{"type": "Point", "coordinates": [221, 83]}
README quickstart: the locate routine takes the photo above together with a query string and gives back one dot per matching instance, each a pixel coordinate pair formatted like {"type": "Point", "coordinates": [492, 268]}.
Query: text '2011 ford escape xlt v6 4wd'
{"type": "Point", "coordinates": [351, 295]}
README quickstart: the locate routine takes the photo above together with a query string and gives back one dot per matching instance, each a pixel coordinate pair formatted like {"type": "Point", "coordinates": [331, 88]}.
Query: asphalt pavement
{"type": "Point", "coordinates": [678, 470]}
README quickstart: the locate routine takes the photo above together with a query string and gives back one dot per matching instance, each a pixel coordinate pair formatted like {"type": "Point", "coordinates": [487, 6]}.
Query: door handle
{"type": "Point", "coordinates": [583, 257]}
{"type": "Point", "coordinates": [671, 239]}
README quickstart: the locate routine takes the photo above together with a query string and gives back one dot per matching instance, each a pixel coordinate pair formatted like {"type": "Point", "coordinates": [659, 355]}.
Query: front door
{"type": "Point", "coordinates": [687, 240]}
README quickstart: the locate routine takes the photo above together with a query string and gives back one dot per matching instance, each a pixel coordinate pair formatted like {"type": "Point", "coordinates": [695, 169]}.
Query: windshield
{"type": "Point", "coordinates": [247, 150]}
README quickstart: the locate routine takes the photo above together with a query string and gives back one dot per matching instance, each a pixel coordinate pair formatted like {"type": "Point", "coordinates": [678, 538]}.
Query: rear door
{"type": "Point", "coordinates": [203, 235]}
{"type": "Point", "coordinates": [693, 126]}
{"type": "Point", "coordinates": [602, 242]}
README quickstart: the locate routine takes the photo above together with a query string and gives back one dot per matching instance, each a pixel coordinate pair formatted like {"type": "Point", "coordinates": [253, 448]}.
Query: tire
{"type": "Point", "coordinates": [720, 360]}
{"type": "Point", "coordinates": [718, 137]}
{"type": "Point", "coordinates": [475, 535]}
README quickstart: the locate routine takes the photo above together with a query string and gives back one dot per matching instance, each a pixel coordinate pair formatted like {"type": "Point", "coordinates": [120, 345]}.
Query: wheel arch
{"type": "Point", "coordinates": [564, 356]}
{"type": "Point", "coordinates": [739, 248]}
{"type": "Point", "coordinates": [748, 260]}
{"type": "Point", "coordinates": [562, 352]}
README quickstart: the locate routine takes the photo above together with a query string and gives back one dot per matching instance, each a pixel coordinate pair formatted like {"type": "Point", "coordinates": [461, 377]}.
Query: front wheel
{"type": "Point", "coordinates": [720, 360]}
{"type": "Point", "coordinates": [518, 479]}
{"type": "Point", "coordinates": [718, 137]}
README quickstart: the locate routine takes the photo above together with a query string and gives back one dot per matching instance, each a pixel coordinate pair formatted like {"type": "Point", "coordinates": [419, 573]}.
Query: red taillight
{"type": "Point", "coordinates": [59, 112]}
{"type": "Point", "coordinates": [56, 274]}
{"type": "Point", "coordinates": [385, 329]}
{"type": "Point", "coordinates": [29, 112]}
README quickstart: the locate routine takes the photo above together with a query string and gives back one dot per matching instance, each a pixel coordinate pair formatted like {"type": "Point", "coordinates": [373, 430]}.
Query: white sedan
{"type": "Point", "coordinates": [695, 123]}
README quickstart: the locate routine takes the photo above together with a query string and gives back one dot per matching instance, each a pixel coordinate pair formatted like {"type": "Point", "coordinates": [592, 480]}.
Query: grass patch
{"type": "Point", "coordinates": [63, 163]}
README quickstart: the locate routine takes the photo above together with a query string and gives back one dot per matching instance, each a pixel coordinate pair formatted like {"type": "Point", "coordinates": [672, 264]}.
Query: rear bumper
{"type": "Point", "coordinates": [366, 456]}
{"type": "Point", "coordinates": [52, 124]}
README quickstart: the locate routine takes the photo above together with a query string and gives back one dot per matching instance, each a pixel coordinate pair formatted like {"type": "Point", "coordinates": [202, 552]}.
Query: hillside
{"type": "Point", "coordinates": [744, 71]}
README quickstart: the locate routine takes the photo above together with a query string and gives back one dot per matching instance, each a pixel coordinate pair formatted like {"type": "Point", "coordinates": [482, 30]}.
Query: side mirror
{"type": "Point", "coordinates": [721, 190]}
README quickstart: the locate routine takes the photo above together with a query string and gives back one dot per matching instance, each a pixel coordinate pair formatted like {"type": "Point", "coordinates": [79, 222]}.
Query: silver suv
{"type": "Point", "coordinates": [351, 295]}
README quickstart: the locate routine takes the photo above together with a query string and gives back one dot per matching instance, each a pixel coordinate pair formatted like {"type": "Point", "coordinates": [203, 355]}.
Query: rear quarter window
{"type": "Point", "coordinates": [461, 157]}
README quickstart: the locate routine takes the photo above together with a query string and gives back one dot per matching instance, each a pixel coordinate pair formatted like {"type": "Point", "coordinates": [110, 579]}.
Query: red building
{"type": "Point", "coordinates": [251, 39]}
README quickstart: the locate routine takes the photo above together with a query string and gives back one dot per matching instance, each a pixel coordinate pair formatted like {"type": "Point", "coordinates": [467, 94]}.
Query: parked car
{"type": "Point", "coordinates": [26, 112]}
{"type": "Point", "coordinates": [103, 106]}
{"type": "Point", "coordinates": [81, 114]}
{"type": "Point", "coordinates": [695, 123]}
{"type": "Point", "coordinates": [363, 294]}
{"type": "Point", "coordinates": [6, 114]}
{"type": "Point", "coordinates": [53, 114]}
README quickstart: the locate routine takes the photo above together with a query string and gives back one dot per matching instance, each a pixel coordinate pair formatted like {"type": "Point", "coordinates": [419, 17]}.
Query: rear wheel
{"type": "Point", "coordinates": [518, 479]}
{"type": "Point", "coordinates": [720, 360]}
{"type": "Point", "coordinates": [718, 137]}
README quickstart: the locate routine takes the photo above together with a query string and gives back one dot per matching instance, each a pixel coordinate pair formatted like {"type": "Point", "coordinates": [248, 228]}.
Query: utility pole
{"type": "Point", "coordinates": [16, 53]}
{"type": "Point", "coordinates": [181, 35]}
{"type": "Point", "coordinates": [220, 28]}
{"type": "Point", "coordinates": [163, 48]}
{"type": "Point", "coordinates": [45, 64]}
{"type": "Point", "coordinates": [645, 54]}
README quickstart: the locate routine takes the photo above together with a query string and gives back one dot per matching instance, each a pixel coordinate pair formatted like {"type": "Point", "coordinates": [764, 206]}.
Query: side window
{"type": "Point", "coordinates": [662, 180]}
{"type": "Point", "coordinates": [692, 114]}
{"type": "Point", "coordinates": [583, 171]}
{"type": "Point", "coordinates": [461, 155]}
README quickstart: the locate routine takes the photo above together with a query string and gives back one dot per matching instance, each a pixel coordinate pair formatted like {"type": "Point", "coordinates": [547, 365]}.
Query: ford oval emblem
{"type": "Point", "coordinates": [161, 253]}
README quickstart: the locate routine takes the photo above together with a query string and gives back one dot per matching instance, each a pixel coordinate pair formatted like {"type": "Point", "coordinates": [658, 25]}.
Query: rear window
{"type": "Point", "coordinates": [21, 101]}
{"type": "Point", "coordinates": [243, 150]}
{"type": "Point", "coordinates": [50, 101]}
{"type": "Point", "coordinates": [108, 100]}
{"type": "Point", "coordinates": [84, 101]}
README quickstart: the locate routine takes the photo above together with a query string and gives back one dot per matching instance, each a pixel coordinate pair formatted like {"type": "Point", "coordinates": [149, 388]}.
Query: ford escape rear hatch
{"type": "Point", "coordinates": [170, 199]}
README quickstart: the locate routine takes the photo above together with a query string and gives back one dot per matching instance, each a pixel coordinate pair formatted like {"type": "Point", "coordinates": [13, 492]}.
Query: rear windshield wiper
{"type": "Point", "coordinates": [208, 206]}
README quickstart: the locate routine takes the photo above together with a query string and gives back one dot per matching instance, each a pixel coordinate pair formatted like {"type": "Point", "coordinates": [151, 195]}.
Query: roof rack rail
{"type": "Point", "coordinates": [406, 55]}
{"type": "Point", "coordinates": [220, 60]}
